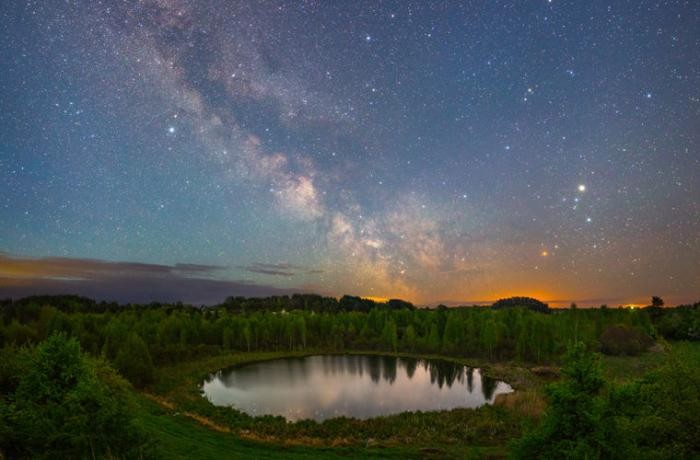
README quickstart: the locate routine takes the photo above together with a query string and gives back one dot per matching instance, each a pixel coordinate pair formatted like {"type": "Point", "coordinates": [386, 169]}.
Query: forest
{"type": "Point", "coordinates": [85, 370]}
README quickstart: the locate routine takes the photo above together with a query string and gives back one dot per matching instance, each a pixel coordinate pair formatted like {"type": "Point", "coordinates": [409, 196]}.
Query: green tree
{"type": "Point", "coordinates": [17, 334]}
{"type": "Point", "coordinates": [657, 301]}
{"type": "Point", "coordinates": [67, 406]}
{"type": "Point", "coordinates": [389, 335]}
{"type": "Point", "coordinates": [573, 426]}
{"type": "Point", "coordinates": [434, 338]}
{"type": "Point", "coordinates": [134, 361]}
{"type": "Point", "coordinates": [409, 338]}
{"type": "Point", "coordinates": [657, 416]}
{"type": "Point", "coordinates": [452, 335]}
{"type": "Point", "coordinates": [301, 330]}
{"type": "Point", "coordinates": [228, 338]}
{"type": "Point", "coordinates": [247, 334]}
{"type": "Point", "coordinates": [489, 336]}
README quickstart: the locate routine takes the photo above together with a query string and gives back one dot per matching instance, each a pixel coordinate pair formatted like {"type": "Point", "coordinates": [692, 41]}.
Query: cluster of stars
{"type": "Point", "coordinates": [427, 151]}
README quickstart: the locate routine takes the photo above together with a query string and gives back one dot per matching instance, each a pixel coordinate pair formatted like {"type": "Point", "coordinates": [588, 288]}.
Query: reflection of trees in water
{"type": "Point", "coordinates": [389, 365]}
{"type": "Point", "coordinates": [488, 386]}
{"type": "Point", "coordinates": [445, 373]}
{"type": "Point", "coordinates": [331, 364]}
{"type": "Point", "coordinates": [298, 368]}
{"type": "Point", "coordinates": [352, 365]}
{"type": "Point", "coordinates": [410, 365]}
{"type": "Point", "coordinates": [291, 370]}
{"type": "Point", "coordinates": [441, 373]}
{"type": "Point", "coordinates": [374, 367]}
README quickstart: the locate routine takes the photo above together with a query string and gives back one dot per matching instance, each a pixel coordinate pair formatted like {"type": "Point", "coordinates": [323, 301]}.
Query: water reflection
{"type": "Point", "coordinates": [360, 386]}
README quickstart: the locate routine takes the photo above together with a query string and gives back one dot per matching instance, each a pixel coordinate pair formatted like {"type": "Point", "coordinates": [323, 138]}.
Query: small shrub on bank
{"type": "Point", "coordinates": [624, 340]}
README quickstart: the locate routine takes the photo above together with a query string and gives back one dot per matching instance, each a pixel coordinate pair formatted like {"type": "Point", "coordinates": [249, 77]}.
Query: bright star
{"type": "Point", "coordinates": [171, 130]}
{"type": "Point", "coordinates": [581, 188]}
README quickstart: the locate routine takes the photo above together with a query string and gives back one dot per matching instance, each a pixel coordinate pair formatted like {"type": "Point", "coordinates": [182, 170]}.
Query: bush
{"type": "Point", "coordinates": [657, 415]}
{"type": "Point", "coordinates": [624, 340]}
{"type": "Point", "coordinates": [68, 406]}
{"type": "Point", "coordinates": [134, 362]}
{"type": "Point", "coordinates": [573, 425]}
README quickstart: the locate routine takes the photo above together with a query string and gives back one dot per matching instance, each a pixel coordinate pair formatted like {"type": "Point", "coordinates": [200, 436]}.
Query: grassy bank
{"type": "Point", "coordinates": [189, 426]}
{"type": "Point", "coordinates": [459, 432]}
{"type": "Point", "coordinates": [181, 437]}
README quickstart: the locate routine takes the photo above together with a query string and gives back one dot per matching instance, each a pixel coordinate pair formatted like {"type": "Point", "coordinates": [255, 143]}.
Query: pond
{"type": "Point", "coordinates": [359, 386]}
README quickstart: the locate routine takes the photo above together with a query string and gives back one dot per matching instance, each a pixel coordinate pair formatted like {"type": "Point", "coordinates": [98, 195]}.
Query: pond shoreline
{"type": "Point", "coordinates": [457, 433]}
{"type": "Point", "coordinates": [178, 385]}
{"type": "Point", "coordinates": [360, 386]}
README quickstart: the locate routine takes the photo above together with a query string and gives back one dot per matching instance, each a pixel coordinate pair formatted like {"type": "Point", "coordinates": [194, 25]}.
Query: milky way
{"type": "Point", "coordinates": [437, 152]}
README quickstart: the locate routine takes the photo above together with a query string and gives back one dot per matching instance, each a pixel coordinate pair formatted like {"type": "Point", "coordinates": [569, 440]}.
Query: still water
{"type": "Point", "coordinates": [360, 386]}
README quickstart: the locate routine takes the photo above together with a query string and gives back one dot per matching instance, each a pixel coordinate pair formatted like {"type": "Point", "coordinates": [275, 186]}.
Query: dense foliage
{"type": "Point", "coordinates": [574, 426]}
{"type": "Point", "coordinates": [659, 416]}
{"type": "Point", "coordinates": [588, 418]}
{"type": "Point", "coordinates": [57, 403]}
{"type": "Point", "coordinates": [135, 337]}
{"type": "Point", "coordinates": [51, 387]}
{"type": "Point", "coordinates": [624, 340]}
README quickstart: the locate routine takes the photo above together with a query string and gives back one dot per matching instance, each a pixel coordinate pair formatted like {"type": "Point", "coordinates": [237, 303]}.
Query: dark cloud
{"type": "Point", "coordinates": [197, 268]}
{"type": "Point", "coordinates": [278, 266]}
{"type": "Point", "coordinates": [123, 281]}
{"type": "Point", "coordinates": [65, 267]}
{"type": "Point", "coordinates": [264, 271]}
{"type": "Point", "coordinates": [279, 269]}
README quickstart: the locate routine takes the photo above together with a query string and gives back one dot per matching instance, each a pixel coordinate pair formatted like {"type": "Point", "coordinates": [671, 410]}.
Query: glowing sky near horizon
{"type": "Point", "coordinates": [433, 151]}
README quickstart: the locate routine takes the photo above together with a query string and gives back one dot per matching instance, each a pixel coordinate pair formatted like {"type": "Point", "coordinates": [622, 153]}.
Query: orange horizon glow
{"type": "Point", "coordinates": [61, 274]}
{"type": "Point", "coordinates": [549, 299]}
{"type": "Point", "coordinates": [377, 299]}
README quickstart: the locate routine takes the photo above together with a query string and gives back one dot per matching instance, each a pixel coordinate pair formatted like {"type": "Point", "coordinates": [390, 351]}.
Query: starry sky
{"type": "Point", "coordinates": [434, 151]}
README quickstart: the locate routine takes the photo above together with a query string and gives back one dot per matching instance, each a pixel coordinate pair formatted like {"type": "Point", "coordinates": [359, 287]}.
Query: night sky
{"type": "Point", "coordinates": [436, 152]}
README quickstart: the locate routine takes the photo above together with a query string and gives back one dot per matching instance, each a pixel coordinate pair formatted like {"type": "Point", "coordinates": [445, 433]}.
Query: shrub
{"type": "Point", "coordinates": [573, 426]}
{"type": "Point", "coordinates": [134, 361]}
{"type": "Point", "coordinates": [69, 406]}
{"type": "Point", "coordinates": [624, 340]}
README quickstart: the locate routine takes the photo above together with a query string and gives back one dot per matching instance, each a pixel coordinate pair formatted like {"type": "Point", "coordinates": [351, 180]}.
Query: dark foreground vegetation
{"type": "Point", "coordinates": [69, 366]}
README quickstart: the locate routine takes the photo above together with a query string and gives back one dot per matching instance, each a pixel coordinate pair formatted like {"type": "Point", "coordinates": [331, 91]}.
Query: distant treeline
{"type": "Point", "coordinates": [310, 302]}
{"type": "Point", "coordinates": [135, 337]}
